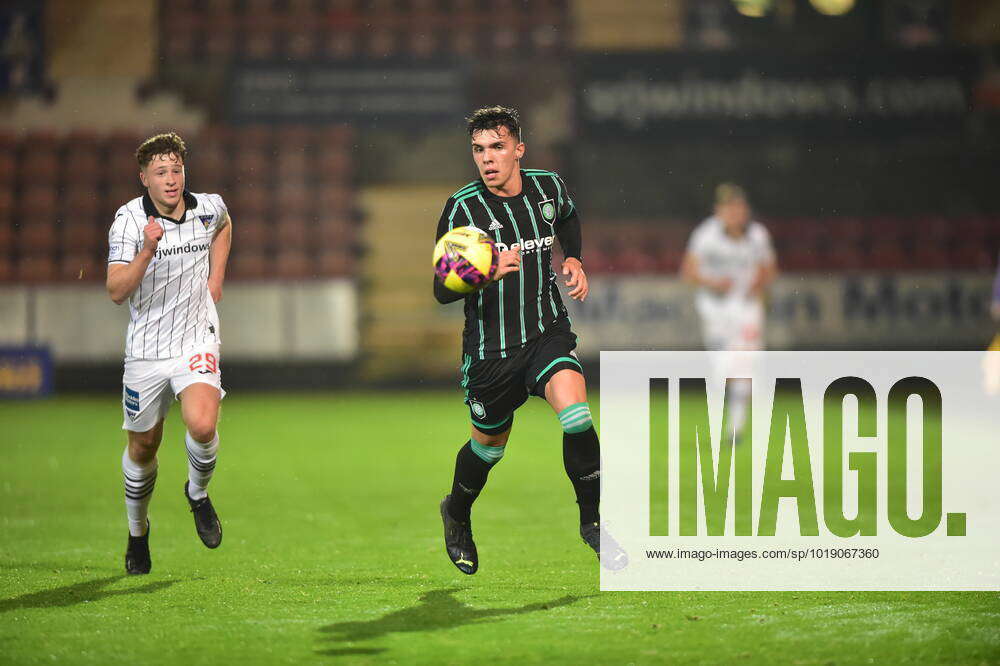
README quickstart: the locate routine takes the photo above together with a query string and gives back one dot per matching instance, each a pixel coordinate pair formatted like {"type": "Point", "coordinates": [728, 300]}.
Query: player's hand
{"type": "Point", "coordinates": [720, 285]}
{"type": "Point", "coordinates": [509, 262]}
{"type": "Point", "coordinates": [577, 281]}
{"type": "Point", "coordinates": [152, 234]}
{"type": "Point", "coordinates": [215, 289]}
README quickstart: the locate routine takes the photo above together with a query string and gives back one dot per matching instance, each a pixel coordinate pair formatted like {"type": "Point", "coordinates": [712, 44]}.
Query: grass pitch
{"type": "Point", "coordinates": [333, 554]}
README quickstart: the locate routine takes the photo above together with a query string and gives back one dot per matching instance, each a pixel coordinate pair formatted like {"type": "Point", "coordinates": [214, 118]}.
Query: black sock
{"type": "Point", "coordinates": [470, 477]}
{"type": "Point", "coordinates": [582, 459]}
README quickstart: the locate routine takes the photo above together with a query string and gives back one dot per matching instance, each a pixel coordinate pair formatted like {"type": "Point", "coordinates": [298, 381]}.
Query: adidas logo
{"type": "Point", "coordinates": [495, 225]}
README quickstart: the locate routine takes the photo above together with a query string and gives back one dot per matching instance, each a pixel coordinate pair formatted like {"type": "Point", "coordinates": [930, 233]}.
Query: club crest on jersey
{"type": "Point", "coordinates": [205, 219]}
{"type": "Point", "coordinates": [547, 209]}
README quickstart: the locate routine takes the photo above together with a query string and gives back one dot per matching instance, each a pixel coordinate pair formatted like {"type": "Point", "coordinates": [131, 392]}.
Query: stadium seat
{"type": "Point", "coordinates": [251, 233]}
{"type": "Point", "coordinates": [292, 163]}
{"type": "Point", "coordinates": [887, 255]}
{"type": "Point", "coordinates": [37, 236]}
{"type": "Point", "coordinates": [334, 232]}
{"type": "Point", "coordinates": [40, 166]}
{"type": "Point", "coordinates": [336, 262]}
{"type": "Point", "coordinates": [7, 235]}
{"type": "Point", "coordinates": [293, 264]}
{"type": "Point", "coordinates": [76, 235]}
{"type": "Point", "coordinates": [294, 198]}
{"type": "Point", "coordinates": [38, 201]}
{"type": "Point", "coordinates": [81, 267]}
{"type": "Point", "coordinates": [35, 268]}
{"type": "Point", "coordinates": [8, 169]}
{"type": "Point", "coordinates": [293, 231]}
{"type": "Point", "coordinates": [7, 268]}
{"type": "Point", "coordinates": [334, 165]}
{"type": "Point", "coordinates": [249, 265]}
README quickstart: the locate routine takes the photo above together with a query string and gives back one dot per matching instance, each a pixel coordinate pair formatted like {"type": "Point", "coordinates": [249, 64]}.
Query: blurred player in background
{"type": "Point", "coordinates": [731, 261]}
{"type": "Point", "coordinates": [167, 256]}
{"type": "Point", "coordinates": [517, 340]}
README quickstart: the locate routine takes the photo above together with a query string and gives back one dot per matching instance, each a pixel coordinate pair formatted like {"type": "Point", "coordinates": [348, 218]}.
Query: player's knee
{"type": "Point", "coordinates": [142, 446]}
{"type": "Point", "coordinates": [202, 429]}
{"type": "Point", "coordinates": [576, 418]}
{"type": "Point", "coordinates": [498, 439]}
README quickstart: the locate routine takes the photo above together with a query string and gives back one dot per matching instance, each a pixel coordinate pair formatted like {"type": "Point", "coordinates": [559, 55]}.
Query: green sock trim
{"type": "Point", "coordinates": [488, 454]}
{"type": "Point", "coordinates": [576, 418]}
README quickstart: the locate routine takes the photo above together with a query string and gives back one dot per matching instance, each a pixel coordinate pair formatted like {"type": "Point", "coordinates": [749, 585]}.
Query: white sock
{"type": "Point", "coordinates": [139, 482]}
{"type": "Point", "coordinates": [201, 464]}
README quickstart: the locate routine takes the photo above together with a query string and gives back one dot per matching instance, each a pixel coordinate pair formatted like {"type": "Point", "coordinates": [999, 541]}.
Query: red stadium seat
{"type": "Point", "coordinates": [81, 267]}
{"type": "Point", "coordinates": [968, 256]}
{"type": "Point", "coordinates": [8, 170]}
{"type": "Point", "coordinates": [336, 199]}
{"type": "Point", "coordinates": [293, 264]}
{"type": "Point", "coordinates": [335, 165]}
{"type": "Point", "coordinates": [251, 233]}
{"type": "Point", "coordinates": [341, 44]}
{"type": "Point", "coordinates": [292, 163]}
{"type": "Point", "coordinates": [336, 262]}
{"type": "Point", "coordinates": [37, 236]}
{"type": "Point", "coordinates": [295, 232]}
{"type": "Point", "coordinates": [36, 268]}
{"type": "Point", "coordinates": [842, 254]}
{"type": "Point", "coordinates": [7, 268]}
{"type": "Point", "coordinates": [294, 198]}
{"type": "Point", "coordinates": [887, 255]}
{"type": "Point", "coordinates": [249, 264]}
{"type": "Point", "coordinates": [334, 232]}
{"type": "Point", "coordinates": [82, 236]}
{"type": "Point", "coordinates": [38, 201]}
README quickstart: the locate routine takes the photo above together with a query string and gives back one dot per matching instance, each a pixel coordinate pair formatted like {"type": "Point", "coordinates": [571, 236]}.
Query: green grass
{"type": "Point", "coordinates": [333, 554]}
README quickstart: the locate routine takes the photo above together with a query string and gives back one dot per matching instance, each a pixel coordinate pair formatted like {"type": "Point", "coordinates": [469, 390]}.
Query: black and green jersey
{"type": "Point", "coordinates": [509, 313]}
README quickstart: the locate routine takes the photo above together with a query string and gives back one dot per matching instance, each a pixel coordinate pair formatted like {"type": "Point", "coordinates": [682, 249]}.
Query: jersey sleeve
{"type": "Point", "coordinates": [697, 243]}
{"type": "Point", "coordinates": [123, 239]}
{"type": "Point", "coordinates": [216, 202]}
{"type": "Point", "coordinates": [567, 208]}
{"type": "Point", "coordinates": [765, 250]}
{"type": "Point", "coordinates": [444, 224]}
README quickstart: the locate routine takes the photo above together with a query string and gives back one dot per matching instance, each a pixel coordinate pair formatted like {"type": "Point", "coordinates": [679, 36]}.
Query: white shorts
{"type": "Point", "coordinates": [148, 384]}
{"type": "Point", "coordinates": [732, 324]}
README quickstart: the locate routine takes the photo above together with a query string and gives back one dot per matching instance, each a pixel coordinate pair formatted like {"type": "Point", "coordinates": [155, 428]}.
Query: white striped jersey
{"type": "Point", "coordinates": [171, 309]}
{"type": "Point", "coordinates": [721, 255]}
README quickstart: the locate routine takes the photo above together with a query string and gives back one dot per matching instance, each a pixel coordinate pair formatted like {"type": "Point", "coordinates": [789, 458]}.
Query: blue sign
{"type": "Point", "coordinates": [25, 372]}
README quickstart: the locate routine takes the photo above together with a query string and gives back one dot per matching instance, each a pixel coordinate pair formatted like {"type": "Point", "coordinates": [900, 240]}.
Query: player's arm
{"type": "Point", "coordinates": [218, 257]}
{"type": "Point", "coordinates": [767, 266]}
{"type": "Point", "coordinates": [570, 237]}
{"type": "Point", "coordinates": [766, 273]}
{"type": "Point", "coordinates": [571, 241]}
{"type": "Point", "coordinates": [691, 273]}
{"type": "Point", "coordinates": [124, 278]}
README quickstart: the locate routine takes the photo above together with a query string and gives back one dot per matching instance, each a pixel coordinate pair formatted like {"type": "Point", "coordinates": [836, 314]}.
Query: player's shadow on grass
{"type": "Point", "coordinates": [69, 595]}
{"type": "Point", "coordinates": [438, 609]}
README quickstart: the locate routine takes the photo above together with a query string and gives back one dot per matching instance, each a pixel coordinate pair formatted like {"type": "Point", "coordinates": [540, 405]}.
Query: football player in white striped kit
{"type": "Point", "coordinates": [731, 259]}
{"type": "Point", "coordinates": [167, 256]}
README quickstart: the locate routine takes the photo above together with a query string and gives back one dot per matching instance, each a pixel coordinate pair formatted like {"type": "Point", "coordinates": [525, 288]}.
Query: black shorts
{"type": "Point", "coordinates": [494, 388]}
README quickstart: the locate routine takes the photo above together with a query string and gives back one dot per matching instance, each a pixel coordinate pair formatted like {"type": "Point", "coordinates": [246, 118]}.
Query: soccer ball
{"type": "Point", "coordinates": [465, 259]}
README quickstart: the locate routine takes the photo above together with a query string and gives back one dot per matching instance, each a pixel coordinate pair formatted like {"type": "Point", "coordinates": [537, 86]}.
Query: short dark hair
{"type": "Point", "coordinates": [161, 144]}
{"type": "Point", "coordinates": [493, 118]}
